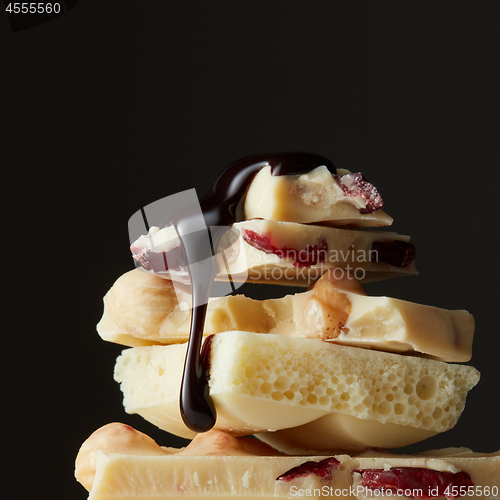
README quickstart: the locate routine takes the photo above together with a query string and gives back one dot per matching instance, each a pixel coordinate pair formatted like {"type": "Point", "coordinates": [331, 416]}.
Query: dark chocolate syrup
{"type": "Point", "coordinates": [219, 209]}
{"type": "Point", "coordinates": [219, 205]}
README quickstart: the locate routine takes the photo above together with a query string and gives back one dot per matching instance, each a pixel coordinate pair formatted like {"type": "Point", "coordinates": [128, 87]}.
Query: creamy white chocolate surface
{"type": "Point", "coordinates": [343, 433]}
{"type": "Point", "coordinates": [129, 477]}
{"type": "Point", "coordinates": [143, 309]}
{"type": "Point", "coordinates": [221, 468]}
{"type": "Point", "coordinates": [306, 198]}
{"type": "Point", "coordinates": [263, 383]}
{"type": "Point", "coordinates": [118, 438]}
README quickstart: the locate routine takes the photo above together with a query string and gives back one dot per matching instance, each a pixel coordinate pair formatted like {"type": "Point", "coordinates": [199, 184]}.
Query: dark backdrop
{"type": "Point", "coordinates": [119, 103]}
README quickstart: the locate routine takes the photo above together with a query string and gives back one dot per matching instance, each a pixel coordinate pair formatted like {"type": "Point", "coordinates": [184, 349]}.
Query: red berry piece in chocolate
{"type": "Point", "coordinates": [355, 185]}
{"type": "Point", "coordinates": [395, 253]}
{"type": "Point", "coordinates": [422, 483]}
{"type": "Point", "coordinates": [307, 257]}
{"type": "Point", "coordinates": [323, 469]}
{"type": "Point", "coordinates": [160, 262]}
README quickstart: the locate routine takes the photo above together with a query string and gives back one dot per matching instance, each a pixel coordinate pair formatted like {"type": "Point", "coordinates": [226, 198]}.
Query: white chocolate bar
{"type": "Point", "coordinates": [220, 467]}
{"type": "Point", "coordinates": [143, 309]}
{"type": "Point", "coordinates": [264, 383]}
{"type": "Point", "coordinates": [342, 249]}
{"type": "Point", "coordinates": [305, 198]}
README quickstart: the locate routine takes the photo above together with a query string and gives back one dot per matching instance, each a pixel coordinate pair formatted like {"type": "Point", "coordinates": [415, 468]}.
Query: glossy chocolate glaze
{"type": "Point", "coordinates": [219, 209]}
{"type": "Point", "coordinates": [197, 404]}
{"type": "Point", "coordinates": [219, 205]}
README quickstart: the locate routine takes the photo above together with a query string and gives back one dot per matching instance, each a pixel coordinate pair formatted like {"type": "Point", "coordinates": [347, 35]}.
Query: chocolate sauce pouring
{"type": "Point", "coordinates": [219, 209]}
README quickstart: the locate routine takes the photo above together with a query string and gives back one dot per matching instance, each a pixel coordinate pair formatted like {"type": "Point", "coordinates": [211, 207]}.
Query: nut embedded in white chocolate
{"type": "Point", "coordinates": [142, 309]}
{"type": "Point", "coordinates": [317, 196]}
{"type": "Point", "coordinates": [220, 470]}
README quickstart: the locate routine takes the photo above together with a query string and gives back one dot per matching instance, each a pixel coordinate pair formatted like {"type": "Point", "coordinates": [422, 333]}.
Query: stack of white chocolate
{"type": "Point", "coordinates": [327, 372]}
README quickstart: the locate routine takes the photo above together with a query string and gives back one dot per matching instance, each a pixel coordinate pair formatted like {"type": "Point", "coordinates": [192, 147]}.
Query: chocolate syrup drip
{"type": "Point", "coordinates": [197, 404]}
{"type": "Point", "coordinates": [219, 209]}
{"type": "Point", "coordinates": [219, 206]}
{"type": "Point", "coordinates": [205, 355]}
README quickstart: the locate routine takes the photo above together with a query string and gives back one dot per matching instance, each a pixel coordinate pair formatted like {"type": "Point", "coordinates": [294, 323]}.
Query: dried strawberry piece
{"type": "Point", "coordinates": [323, 469]}
{"type": "Point", "coordinates": [307, 257]}
{"type": "Point", "coordinates": [395, 253]}
{"type": "Point", "coordinates": [140, 255]}
{"type": "Point", "coordinates": [355, 185]}
{"type": "Point", "coordinates": [160, 262]}
{"type": "Point", "coordinates": [423, 483]}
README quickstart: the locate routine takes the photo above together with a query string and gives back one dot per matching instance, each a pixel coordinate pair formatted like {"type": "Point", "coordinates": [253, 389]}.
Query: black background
{"type": "Point", "coordinates": [119, 103]}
